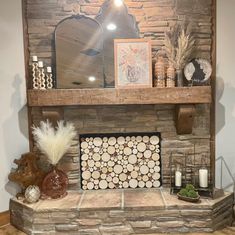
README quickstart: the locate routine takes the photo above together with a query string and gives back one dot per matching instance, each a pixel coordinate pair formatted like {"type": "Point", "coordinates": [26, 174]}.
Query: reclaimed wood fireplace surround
{"type": "Point", "coordinates": [109, 110]}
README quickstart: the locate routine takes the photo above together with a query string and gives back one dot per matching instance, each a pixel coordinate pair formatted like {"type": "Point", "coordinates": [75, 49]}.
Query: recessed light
{"type": "Point", "coordinates": [91, 78]}
{"type": "Point", "coordinates": [118, 3]}
{"type": "Point", "coordinates": [111, 27]}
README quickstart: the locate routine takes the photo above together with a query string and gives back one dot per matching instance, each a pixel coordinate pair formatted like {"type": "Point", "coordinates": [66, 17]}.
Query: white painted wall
{"type": "Point", "coordinates": [13, 116]}
{"type": "Point", "coordinates": [225, 107]}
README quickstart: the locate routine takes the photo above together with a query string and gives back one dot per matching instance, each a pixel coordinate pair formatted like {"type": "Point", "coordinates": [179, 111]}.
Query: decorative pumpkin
{"type": "Point", "coordinates": [32, 194]}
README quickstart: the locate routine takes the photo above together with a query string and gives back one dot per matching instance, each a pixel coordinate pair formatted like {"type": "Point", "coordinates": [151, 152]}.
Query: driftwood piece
{"type": "Point", "coordinates": [27, 172]}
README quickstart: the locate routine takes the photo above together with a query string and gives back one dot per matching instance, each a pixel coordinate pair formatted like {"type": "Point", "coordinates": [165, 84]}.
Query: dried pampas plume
{"type": "Point", "coordinates": [54, 143]}
{"type": "Point", "coordinates": [179, 46]}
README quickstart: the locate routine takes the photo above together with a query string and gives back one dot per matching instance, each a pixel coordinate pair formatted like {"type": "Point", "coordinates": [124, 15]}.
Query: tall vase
{"type": "Point", "coordinates": [179, 78]}
{"type": "Point", "coordinates": [55, 184]}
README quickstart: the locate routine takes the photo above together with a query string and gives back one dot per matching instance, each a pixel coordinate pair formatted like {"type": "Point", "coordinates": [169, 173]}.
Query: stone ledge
{"type": "Point", "coordinates": [121, 212]}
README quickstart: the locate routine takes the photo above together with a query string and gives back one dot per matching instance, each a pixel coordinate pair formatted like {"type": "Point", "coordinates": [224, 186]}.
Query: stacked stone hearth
{"type": "Point", "coordinates": [117, 212]}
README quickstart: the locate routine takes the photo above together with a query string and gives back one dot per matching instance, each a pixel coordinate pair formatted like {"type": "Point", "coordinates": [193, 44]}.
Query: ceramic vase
{"type": "Point", "coordinates": [179, 78]}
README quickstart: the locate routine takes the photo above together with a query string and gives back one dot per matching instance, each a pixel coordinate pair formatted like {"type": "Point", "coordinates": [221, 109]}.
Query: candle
{"type": "Point", "coordinates": [203, 178]}
{"type": "Point", "coordinates": [178, 179]}
{"type": "Point", "coordinates": [35, 58]}
{"type": "Point", "coordinates": [40, 64]}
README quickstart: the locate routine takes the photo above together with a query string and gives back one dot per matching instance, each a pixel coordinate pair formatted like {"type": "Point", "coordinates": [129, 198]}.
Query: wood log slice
{"type": "Point", "coordinates": [96, 157]}
{"type": "Point", "coordinates": [149, 184]}
{"type": "Point", "coordinates": [130, 144]}
{"type": "Point", "coordinates": [151, 164]}
{"type": "Point", "coordinates": [104, 170]}
{"type": "Point", "coordinates": [139, 138]}
{"type": "Point", "coordinates": [155, 156]}
{"type": "Point", "coordinates": [127, 151]}
{"type": "Point", "coordinates": [118, 169]}
{"type": "Point", "coordinates": [105, 157]}
{"type": "Point", "coordinates": [84, 145]}
{"type": "Point", "coordinates": [91, 163]}
{"type": "Point", "coordinates": [147, 154]}
{"type": "Point", "coordinates": [103, 184]}
{"type": "Point", "coordinates": [121, 140]}
{"type": "Point", "coordinates": [112, 141]}
{"type": "Point", "coordinates": [84, 157]}
{"type": "Point", "coordinates": [90, 185]}
{"type": "Point", "coordinates": [84, 163]}
{"type": "Point", "coordinates": [86, 175]}
{"type": "Point", "coordinates": [141, 147]}
{"type": "Point", "coordinates": [141, 184]}
{"type": "Point", "coordinates": [156, 176]}
{"type": "Point", "coordinates": [111, 150]}
{"type": "Point", "coordinates": [96, 149]}
{"type": "Point", "coordinates": [144, 170]}
{"type": "Point", "coordinates": [125, 184]}
{"type": "Point", "coordinates": [156, 184]}
{"type": "Point", "coordinates": [115, 180]}
{"type": "Point", "coordinates": [109, 178]}
{"type": "Point", "coordinates": [103, 176]}
{"type": "Point", "coordinates": [122, 177]}
{"type": "Point", "coordinates": [154, 140]}
{"type": "Point", "coordinates": [95, 174]}
{"type": "Point", "coordinates": [132, 159]}
{"type": "Point", "coordinates": [157, 168]}
{"type": "Point", "coordinates": [111, 185]}
{"type": "Point", "coordinates": [133, 183]}
{"type": "Point", "coordinates": [130, 167]}
{"type": "Point", "coordinates": [97, 141]}
{"type": "Point", "coordinates": [145, 139]}
{"type": "Point", "coordinates": [145, 178]}
{"type": "Point", "coordinates": [134, 174]}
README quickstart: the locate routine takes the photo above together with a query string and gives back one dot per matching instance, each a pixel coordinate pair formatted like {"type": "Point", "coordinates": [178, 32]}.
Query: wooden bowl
{"type": "Point", "coordinates": [188, 199]}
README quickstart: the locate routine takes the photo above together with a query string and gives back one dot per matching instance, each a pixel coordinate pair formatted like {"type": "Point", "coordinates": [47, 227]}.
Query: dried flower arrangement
{"type": "Point", "coordinates": [54, 143]}
{"type": "Point", "coordinates": [179, 46]}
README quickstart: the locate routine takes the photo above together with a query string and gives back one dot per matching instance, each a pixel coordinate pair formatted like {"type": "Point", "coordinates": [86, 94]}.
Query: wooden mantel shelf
{"type": "Point", "coordinates": [111, 96]}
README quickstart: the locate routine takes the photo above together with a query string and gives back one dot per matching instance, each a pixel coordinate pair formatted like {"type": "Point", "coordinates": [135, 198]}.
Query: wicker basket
{"type": "Point", "coordinates": [188, 199]}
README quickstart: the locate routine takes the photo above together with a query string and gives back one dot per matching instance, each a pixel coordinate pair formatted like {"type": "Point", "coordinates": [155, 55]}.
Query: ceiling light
{"type": "Point", "coordinates": [111, 27]}
{"type": "Point", "coordinates": [118, 3]}
{"type": "Point", "coordinates": [91, 78]}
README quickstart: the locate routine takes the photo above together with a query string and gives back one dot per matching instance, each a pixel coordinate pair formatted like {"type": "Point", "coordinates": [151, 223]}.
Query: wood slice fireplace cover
{"type": "Point", "coordinates": [112, 161]}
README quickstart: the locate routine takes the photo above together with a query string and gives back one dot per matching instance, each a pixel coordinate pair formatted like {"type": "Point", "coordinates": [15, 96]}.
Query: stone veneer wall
{"type": "Point", "coordinates": [154, 17]}
{"type": "Point", "coordinates": [135, 118]}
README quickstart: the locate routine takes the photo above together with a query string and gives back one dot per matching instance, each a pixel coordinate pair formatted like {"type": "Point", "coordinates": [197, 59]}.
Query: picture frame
{"type": "Point", "coordinates": [133, 63]}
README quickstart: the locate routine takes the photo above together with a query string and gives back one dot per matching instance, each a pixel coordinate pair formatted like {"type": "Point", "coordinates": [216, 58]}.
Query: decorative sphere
{"type": "Point", "coordinates": [32, 194]}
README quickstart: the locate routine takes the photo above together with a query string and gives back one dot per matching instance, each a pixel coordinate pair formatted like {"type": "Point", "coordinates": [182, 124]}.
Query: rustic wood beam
{"type": "Point", "coordinates": [110, 96]}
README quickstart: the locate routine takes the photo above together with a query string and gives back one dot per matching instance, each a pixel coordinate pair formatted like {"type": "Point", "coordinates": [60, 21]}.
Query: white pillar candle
{"type": "Point", "coordinates": [49, 69]}
{"type": "Point", "coordinates": [178, 179]}
{"type": "Point", "coordinates": [203, 178]}
{"type": "Point", "coordinates": [35, 58]}
{"type": "Point", "coordinates": [40, 64]}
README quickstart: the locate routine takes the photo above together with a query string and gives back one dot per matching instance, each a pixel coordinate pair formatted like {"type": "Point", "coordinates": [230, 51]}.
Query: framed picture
{"type": "Point", "coordinates": [133, 63]}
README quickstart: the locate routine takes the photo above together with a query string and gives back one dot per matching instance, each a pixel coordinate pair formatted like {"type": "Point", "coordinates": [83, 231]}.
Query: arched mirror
{"type": "Point", "coordinates": [85, 47]}
{"type": "Point", "coordinates": [79, 58]}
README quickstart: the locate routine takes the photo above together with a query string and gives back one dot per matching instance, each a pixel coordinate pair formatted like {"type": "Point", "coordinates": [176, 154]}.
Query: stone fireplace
{"type": "Point", "coordinates": [119, 165]}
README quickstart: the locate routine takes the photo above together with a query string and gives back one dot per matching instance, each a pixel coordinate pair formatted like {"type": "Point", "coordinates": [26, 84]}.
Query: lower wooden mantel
{"type": "Point", "coordinates": [111, 96]}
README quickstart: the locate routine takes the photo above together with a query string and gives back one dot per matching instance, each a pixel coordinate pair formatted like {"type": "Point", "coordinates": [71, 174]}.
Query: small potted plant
{"type": "Point", "coordinates": [54, 143]}
{"type": "Point", "coordinates": [188, 194]}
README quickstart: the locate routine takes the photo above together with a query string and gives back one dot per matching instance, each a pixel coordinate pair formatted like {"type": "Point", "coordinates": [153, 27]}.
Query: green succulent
{"type": "Point", "coordinates": [192, 194]}
{"type": "Point", "coordinates": [190, 187]}
{"type": "Point", "coordinates": [183, 192]}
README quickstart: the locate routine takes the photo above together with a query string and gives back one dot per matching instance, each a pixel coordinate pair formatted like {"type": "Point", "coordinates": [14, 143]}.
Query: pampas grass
{"type": "Point", "coordinates": [54, 143]}
{"type": "Point", "coordinates": [179, 46]}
